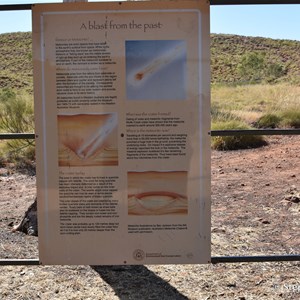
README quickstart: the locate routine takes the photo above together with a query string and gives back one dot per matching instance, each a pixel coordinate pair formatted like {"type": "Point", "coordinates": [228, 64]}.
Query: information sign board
{"type": "Point", "coordinates": [122, 105]}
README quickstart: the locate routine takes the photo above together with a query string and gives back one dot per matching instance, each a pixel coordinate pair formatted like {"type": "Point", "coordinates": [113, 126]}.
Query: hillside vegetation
{"type": "Point", "coordinates": [241, 59]}
{"type": "Point", "coordinates": [234, 59]}
{"type": "Point", "coordinates": [16, 61]}
{"type": "Point", "coordinates": [255, 83]}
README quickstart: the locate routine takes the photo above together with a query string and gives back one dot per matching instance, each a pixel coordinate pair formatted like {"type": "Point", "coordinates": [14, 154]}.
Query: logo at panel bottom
{"type": "Point", "coordinates": [138, 254]}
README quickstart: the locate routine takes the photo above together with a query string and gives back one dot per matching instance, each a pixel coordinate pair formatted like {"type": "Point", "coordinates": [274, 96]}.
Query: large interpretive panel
{"type": "Point", "coordinates": [122, 105]}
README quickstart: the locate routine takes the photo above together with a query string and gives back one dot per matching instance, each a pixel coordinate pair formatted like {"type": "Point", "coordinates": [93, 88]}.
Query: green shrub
{"type": "Point", "coordinates": [251, 67]}
{"type": "Point", "coordinates": [268, 121]}
{"type": "Point", "coordinates": [273, 72]}
{"type": "Point", "coordinates": [7, 95]}
{"type": "Point", "coordinates": [235, 142]}
{"type": "Point", "coordinates": [291, 118]}
{"type": "Point", "coordinates": [2, 161]}
{"type": "Point", "coordinates": [17, 116]}
{"type": "Point", "coordinates": [18, 150]}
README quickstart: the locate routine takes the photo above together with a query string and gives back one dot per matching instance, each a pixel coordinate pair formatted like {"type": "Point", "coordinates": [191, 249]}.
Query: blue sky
{"type": "Point", "coordinates": [274, 21]}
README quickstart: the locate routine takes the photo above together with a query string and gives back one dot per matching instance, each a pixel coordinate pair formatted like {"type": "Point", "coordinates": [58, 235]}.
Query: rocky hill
{"type": "Point", "coordinates": [230, 54]}
{"type": "Point", "coordinates": [16, 60]}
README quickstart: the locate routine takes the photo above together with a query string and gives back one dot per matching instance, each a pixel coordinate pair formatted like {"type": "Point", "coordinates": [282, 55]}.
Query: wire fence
{"type": "Point", "coordinates": [17, 136]}
{"type": "Point", "coordinates": [216, 259]}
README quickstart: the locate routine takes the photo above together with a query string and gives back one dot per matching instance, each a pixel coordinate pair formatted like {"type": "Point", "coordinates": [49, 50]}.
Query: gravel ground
{"type": "Point", "coordinates": [255, 211]}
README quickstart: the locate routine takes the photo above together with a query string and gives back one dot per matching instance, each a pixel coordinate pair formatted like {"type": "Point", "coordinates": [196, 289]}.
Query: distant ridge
{"type": "Point", "coordinates": [228, 50]}
{"type": "Point", "coordinates": [16, 66]}
{"type": "Point", "coordinates": [226, 54]}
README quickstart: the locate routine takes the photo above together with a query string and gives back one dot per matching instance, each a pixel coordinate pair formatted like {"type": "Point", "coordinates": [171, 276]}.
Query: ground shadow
{"type": "Point", "coordinates": [137, 282]}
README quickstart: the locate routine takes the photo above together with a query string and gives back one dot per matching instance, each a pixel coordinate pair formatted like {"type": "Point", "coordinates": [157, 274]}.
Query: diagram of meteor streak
{"type": "Point", "coordinates": [169, 56]}
{"type": "Point", "coordinates": [156, 70]}
{"type": "Point", "coordinates": [98, 138]}
{"type": "Point", "coordinates": [90, 137]}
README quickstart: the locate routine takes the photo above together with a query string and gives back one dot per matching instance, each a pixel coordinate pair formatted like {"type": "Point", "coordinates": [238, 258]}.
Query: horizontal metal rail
{"type": "Point", "coordinates": [254, 258]}
{"type": "Point", "coordinates": [17, 136]}
{"type": "Point", "coordinates": [233, 132]}
{"type": "Point", "coordinates": [214, 260]}
{"type": "Point", "coordinates": [10, 7]}
{"type": "Point", "coordinates": [19, 262]}
{"type": "Point", "coordinates": [237, 132]}
{"type": "Point", "coordinates": [252, 2]}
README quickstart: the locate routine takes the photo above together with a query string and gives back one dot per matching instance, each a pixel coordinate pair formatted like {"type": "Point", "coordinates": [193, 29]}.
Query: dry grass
{"type": "Point", "coordinates": [250, 102]}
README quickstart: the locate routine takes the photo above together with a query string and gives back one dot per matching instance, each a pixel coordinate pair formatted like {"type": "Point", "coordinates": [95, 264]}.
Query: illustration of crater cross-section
{"type": "Point", "coordinates": [157, 193]}
{"type": "Point", "coordinates": [88, 140]}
